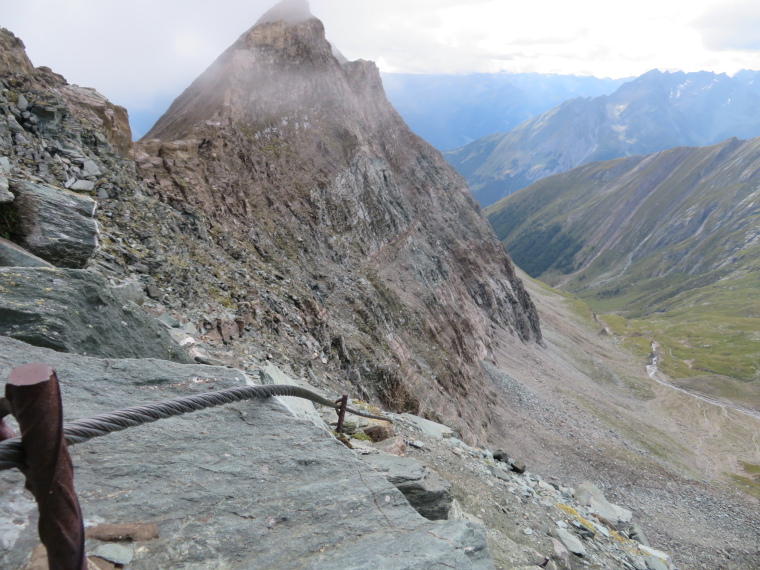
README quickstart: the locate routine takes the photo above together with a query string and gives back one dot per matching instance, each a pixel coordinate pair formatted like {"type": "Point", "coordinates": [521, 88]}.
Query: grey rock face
{"type": "Point", "coordinates": [423, 488]}
{"type": "Point", "coordinates": [12, 255]}
{"type": "Point", "coordinates": [240, 486]}
{"type": "Point", "coordinates": [72, 310]}
{"type": "Point", "coordinates": [55, 224]}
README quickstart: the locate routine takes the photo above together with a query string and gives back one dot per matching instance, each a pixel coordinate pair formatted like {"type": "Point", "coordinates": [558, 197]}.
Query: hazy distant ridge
{"type": "Point", "coordinates": [656, 111]}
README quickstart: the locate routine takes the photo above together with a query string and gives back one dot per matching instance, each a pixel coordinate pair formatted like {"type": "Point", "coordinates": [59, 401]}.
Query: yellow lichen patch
{"type": "Point", "coordinates": [572, 512]}
{"type": "Point", "coordinates": [617, 537]}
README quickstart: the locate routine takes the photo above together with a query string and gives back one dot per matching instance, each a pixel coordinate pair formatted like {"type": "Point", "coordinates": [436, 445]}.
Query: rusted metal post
{"type": "Point", "coordinates": [34, 398]}
{"type": "Point", "coordinates": [341, 412]}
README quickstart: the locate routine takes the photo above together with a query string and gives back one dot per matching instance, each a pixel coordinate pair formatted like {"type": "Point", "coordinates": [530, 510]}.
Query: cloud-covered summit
{"type": "Point", "coordinates": [290, 11]}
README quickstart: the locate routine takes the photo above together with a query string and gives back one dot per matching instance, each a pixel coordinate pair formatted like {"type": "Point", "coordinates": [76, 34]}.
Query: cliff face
{"type": "Point", "coordinates": [304, 170]}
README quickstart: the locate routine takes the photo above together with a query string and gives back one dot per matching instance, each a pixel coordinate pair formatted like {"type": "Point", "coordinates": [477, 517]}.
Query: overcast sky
{"type": "Point", "coordinates": [140, 52]}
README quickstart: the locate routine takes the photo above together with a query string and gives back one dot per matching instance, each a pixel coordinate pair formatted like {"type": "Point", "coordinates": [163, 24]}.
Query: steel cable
{"type": "Point", "coordinates": [78, 431]}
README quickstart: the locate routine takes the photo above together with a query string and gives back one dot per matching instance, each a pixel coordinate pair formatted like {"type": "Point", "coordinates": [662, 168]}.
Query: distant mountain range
{"type": "Point", "coordinates": [449, 111]}
{"type": "Point", "coordinates": [670, 241]}
{"type": "Point", "coordinates": [656, 111]}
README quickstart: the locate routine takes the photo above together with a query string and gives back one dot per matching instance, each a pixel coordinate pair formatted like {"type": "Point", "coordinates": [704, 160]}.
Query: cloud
{"type": "Point", "coordinates": [731, 26]}
{"type": "Point", "coordinates": [142, 53]}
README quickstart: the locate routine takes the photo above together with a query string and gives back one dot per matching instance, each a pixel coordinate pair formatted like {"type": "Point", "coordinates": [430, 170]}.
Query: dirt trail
{"type": "Point", "coordinates": [652, 373]}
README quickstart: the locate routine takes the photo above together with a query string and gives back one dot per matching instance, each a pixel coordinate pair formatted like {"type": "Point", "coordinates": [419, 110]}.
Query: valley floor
{"type": "Point", "coordinates": [584, 408]}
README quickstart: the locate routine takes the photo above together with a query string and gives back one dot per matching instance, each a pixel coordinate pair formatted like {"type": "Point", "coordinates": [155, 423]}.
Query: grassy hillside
{"type": "Point", "coordinates": [667, 244]}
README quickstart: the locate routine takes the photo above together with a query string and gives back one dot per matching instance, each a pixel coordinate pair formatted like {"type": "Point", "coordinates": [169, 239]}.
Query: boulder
{"type": "Point", "coordinates": [571, 542]}
{"type": "Point", "coordinates": [501, 455]}
{"type": "Point", "coordinates": [429, 428]}
{"type": "Point", "coordinates": [393, 446]}
{"type": "Point", "coordinates": [589, 495]}
{"type": "Point", "coordinates": [244, 485]}
{"type": "Point", "coordinates": [55, 224]}
{"type": "Point", "coordinates": [424, 489]}
{"type": "Point", "coordinates": [73, 310]}
{"type": "Point", "coordinates": [379, 431]}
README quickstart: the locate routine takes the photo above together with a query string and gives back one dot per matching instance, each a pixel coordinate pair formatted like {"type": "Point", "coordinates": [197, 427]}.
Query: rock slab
{"type": "Point", "coordinates": [73, 310]}
{"type": "Point", "coordinates": [13, 255]}
{"type": "Point", "coordinates": [244, 485]}
{"type": "Point", "coordinates": [590, 495]}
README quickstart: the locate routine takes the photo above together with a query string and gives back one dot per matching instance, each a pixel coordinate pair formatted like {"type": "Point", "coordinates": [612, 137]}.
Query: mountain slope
{"type": "Point", "coordinates": [449, 111]}
{"type": "Point", "coordinates": [671, 240]}
{"type": "Point", "coordinates": [309, 173]}
{"type": "Point", "coordinates": [654, 112]}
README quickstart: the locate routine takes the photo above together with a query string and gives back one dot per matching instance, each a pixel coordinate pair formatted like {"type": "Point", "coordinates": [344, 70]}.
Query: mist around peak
{"type": "Point", "coordinates": [290, 11]}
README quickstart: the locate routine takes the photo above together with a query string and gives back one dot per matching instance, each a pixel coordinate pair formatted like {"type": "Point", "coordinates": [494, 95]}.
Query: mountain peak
{"type": "Point", "coordinates": [291, 12]}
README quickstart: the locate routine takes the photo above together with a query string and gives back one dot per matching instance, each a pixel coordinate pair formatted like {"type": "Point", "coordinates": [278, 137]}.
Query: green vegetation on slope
{"type": "Point", "coordinates": [667, 246]}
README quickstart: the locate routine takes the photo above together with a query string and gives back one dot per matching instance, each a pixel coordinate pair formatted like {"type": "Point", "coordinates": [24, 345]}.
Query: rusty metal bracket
{"type": "Point", "coordinates": [34, 397]}
{"type": "Point", "coordinates": [343, 401]}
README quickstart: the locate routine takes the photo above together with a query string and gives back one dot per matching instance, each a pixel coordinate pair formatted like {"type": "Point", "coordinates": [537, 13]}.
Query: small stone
{"type": "Point", "coordinates": [560, 553]}
{"type": "Point", "coordinates": [379, 432]}
{"type": "Point", "coordinates": [518, 466]}
{"type": "Point", "coordinates": [572, 543]}
{"type": "Point", "coordinates": [155, 292]}
{"type": "Point", "coordinates": [498, 472]}
{"type": "Point", "coordinates": [5, 194]}
{"type": "Point", "coordinates": [115, 553]}
{"type": "Point", "coordinates": [417, 444]}
{"type": "Point", "coordinates": [90, 168]}
{"type": "Point", "coordinates": [82, 186]}
{"type": "Point", "coordinates": [394, 446]}
{"type": "Point", "coordinates": [501, 455]}
{"type": "Point", "coordinates": [168, 321]}
{"type": "Point", "coordinates": [527, 531]}
{"type": "Point", "coordinates": [69, 182]}
{"type": "Point", "coordinates": [123, 531]}
{"type": "Point", "coordinates": [22, 104]}
{"type": "Point", "coordinates": [13, 125]}
{"type": "Point", "coordinates": [637, 534]}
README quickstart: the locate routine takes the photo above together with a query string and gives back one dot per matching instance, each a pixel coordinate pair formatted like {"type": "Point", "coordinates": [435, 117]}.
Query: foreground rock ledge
{"type": "Point", "coordinates": [240, 486]}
